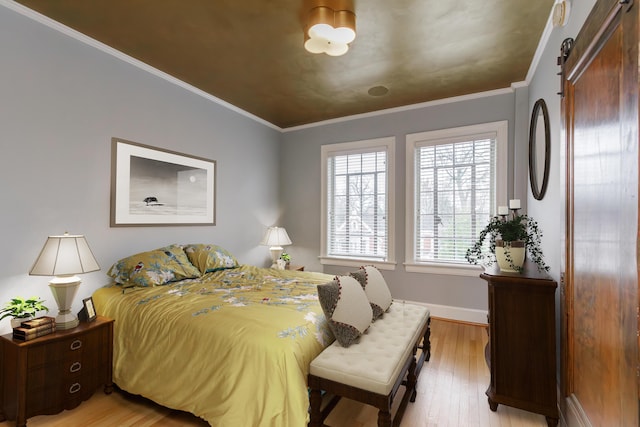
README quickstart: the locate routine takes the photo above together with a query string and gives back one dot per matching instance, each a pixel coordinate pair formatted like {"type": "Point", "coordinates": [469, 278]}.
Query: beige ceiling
{"type": "Point", "coordinates": [250, 53]}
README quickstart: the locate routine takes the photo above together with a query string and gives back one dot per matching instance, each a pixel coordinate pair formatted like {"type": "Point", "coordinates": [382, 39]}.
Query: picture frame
{"type": "Point", "coordinates": [156, 187]}
{"type": "Point", "coordinates": [88, 310]}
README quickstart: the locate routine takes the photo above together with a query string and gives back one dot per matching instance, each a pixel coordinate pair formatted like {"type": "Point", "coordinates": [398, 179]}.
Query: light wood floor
{"type": "Point", "coordinates": [450, 393]}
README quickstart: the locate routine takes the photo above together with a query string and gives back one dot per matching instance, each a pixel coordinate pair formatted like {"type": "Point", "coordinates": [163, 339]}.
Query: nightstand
{"type": "Point", "coordinates": [55, 372]}
{"type": "Point", "coordinates": [294, 267]}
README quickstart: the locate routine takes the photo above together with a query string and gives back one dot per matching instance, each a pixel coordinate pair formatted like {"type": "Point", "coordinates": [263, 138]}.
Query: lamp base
{"type": "Point", "coordinates": [64, 290]}
{"type": "Point", "coordinates": [276, 251]}
{"type": "Point", "coordinates": [66, 321]}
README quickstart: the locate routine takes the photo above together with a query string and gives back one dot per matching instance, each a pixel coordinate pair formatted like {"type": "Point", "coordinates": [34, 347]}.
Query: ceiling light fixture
{"type": "Point", "coordinates": [330, 29]}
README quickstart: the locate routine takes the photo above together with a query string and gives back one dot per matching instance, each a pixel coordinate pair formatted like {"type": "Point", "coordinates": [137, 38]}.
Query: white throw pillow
{"type": "Point", "coordinates": [346, 308]}
{"type": "Point", "coordinates": [376, 289]}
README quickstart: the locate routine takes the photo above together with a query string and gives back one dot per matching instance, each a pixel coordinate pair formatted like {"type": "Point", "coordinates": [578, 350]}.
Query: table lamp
{"type": "Point", "coordinates": [275, 237]}
{"type": "Point", "coordinates": [64, 257]}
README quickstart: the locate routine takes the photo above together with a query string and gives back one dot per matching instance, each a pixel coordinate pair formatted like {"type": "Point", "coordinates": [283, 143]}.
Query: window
{"type": "Point", "coordinates": [357, 220]}
{"type": "Point", "coordinates": [454, 179]}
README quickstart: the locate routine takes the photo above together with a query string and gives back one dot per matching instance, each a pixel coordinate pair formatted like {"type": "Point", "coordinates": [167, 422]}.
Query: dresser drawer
{"type": "Point", "coordinates": [68, 359]}
{"type": "Point", "coordinates": [65, 350]}
{"type": "Point", "coordinates": [55, 393]}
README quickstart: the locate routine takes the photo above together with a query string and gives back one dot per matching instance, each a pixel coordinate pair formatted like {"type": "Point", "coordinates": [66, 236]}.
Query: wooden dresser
{"type": "Point", "coordinates": [56, 371]}
{"type": "Point", "coordinates": [521, 352]}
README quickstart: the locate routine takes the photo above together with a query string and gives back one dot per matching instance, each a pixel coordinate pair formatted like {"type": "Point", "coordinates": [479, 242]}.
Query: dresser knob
{"type": "Point", "coordinates": [75, 367]}
{"type": "Point", "coordinates": [76, 345]}
{"type": "Point", "coordinates": [75, 387]}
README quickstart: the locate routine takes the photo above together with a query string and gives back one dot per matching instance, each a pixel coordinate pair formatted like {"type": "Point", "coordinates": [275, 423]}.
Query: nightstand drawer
{"type": "Point", "coordinates": [70, 349]}
{"type": "Point", "coordinates": [61, 371]}
{"type": "Point", "coordinates": [56, 394]}
{"type": "Point", "coordinates": [70, 357]}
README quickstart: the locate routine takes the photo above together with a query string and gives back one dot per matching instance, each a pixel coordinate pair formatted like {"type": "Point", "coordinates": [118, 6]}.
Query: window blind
{"type": "Point", "coordinates": [455, 194]}
{"type": "Point", "coordinates": [357, 202]}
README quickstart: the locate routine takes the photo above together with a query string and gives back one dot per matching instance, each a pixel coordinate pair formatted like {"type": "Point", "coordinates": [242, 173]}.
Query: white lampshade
{"type": "Point", "coordinates": [276, 238]}
{"type": "Point", "coordinates": [63, 257]}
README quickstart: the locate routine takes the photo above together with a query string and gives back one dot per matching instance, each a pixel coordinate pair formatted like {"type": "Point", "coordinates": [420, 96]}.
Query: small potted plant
{"type": "Point", "coordinates": [286, 258]}
{"type": "Point", "coordinates": [20, 309]}
{"type": "Point", "coordinates": [508, 239]}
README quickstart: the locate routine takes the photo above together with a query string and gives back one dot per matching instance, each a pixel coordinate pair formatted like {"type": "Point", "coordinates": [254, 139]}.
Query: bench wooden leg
{"type": "Point", "coordinates": [426, 345]}
{"type": "Point", "coordinates": [412, 381]}
{"type": "Point", "coordinates": [384, 418]}
{"type": "Point", "coordinates": [315, 416]}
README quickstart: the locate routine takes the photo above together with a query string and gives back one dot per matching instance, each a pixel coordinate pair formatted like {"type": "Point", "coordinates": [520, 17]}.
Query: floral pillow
{"type": "Point", "coordinates": [209, 258]}
{"type": "Point", "coordinates": [154, 268]}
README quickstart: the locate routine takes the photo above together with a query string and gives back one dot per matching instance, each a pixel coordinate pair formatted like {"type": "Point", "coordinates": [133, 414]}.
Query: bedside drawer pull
{"type": "Point", "coordinates": [75, 367]}
{"type": "Point", "coordinates": [75, 387]}
{"type": "Point", "coordinates": [75, 345]}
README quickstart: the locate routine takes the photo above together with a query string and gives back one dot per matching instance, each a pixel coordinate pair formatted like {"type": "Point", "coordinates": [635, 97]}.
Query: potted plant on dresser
{"type": "Point", "coordinates": [506, 239]}
{"type": "Point", "coordinates": [20, 309]}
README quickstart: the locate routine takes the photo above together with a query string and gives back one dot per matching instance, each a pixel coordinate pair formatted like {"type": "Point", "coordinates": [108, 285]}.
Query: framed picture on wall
{"type": "Point", "coordinates": [155, 187]}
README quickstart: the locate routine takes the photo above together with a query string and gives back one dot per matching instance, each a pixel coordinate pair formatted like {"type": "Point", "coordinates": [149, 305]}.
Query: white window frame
{"type": "Point", "coordinates": [501, 130]}
{"type": "Point", "coordinates": [387, 144]}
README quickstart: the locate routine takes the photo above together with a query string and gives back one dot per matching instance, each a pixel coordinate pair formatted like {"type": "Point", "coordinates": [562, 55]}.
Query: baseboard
{"type": "Point", "coordinates": [573, 413]}
{"type": "Point", "coordinates": [459, 314]}
{"type": "Point", "coordinates": [562, 422]}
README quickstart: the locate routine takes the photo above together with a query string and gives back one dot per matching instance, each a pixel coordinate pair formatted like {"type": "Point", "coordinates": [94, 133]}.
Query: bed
{"type": "Point", "coordinates": [198, 332]}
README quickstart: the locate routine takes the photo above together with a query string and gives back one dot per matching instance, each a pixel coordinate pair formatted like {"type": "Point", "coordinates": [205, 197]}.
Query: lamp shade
{"type": "Point", "coordinates": [276, 236]}
{"type": "Point", "coordinates": [63, 256]}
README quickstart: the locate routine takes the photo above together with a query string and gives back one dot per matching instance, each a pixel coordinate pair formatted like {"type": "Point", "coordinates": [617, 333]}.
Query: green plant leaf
{"type": "Point", "coordinates": [517, 228]}
{"type": "Point", "coordinates": [19, 307]}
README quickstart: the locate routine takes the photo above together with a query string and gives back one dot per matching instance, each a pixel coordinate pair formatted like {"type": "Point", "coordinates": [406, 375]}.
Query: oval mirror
{"type": "Point", "coordinates": [539, 149]}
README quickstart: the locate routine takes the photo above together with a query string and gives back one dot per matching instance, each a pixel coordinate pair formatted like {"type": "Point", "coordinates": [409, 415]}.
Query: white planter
{"type": "Point", "coordinates": [514, 250]}
{"type": "Point", "coordinates": [17, 321]}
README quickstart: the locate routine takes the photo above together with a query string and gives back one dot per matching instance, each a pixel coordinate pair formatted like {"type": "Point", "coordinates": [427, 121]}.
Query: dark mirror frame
{"type": "Point", "coordinates": [539, 183]}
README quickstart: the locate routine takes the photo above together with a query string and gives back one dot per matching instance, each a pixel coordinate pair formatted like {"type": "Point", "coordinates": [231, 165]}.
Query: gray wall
{"type": "Point", "coordinates": [545, 84]}
{"type": "Point", "coordinates": [61, 101]}
{"type": "Point", "coordinates": [301, 179]}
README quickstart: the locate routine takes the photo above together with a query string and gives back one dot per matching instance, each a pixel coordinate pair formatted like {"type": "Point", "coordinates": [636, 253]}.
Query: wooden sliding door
{"type": "Point", "coordinates": [600, 298]}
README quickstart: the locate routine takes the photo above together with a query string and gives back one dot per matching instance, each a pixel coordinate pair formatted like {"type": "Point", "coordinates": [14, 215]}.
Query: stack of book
{"type": "Point", "coordinates": [34, 328]}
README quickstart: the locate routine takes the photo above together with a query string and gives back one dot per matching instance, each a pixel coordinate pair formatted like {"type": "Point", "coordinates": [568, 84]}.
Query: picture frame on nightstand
{"type": "Point", "coordinates": [88, 312]}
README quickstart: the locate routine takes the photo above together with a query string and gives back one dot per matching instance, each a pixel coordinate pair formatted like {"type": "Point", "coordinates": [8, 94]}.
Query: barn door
{"type": "Point", "coordinates": [600, 108]}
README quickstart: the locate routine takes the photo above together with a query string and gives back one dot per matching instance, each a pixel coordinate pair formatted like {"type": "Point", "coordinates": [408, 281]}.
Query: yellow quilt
{"type": "Point", "coordinates": [232, 347]}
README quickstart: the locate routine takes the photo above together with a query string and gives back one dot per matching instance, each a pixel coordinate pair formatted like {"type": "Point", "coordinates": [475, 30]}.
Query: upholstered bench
{"type": "Point", "coordinates": [372, 369]}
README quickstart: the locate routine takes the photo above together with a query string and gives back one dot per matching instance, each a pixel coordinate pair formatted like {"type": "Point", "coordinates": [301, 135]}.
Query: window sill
{"type": "Point", "coordinates": [358, 262]}
{"type": "Point", "coordinates": [444, 268]}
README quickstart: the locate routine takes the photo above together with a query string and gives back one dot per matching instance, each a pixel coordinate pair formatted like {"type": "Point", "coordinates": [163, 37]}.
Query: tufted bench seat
{"type": "Point", "coordinates": [371, 370]}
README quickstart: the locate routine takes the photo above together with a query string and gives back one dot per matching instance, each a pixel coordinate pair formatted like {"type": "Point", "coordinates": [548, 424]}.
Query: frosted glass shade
{"type": "Point", "coordinates": [330, 31]}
